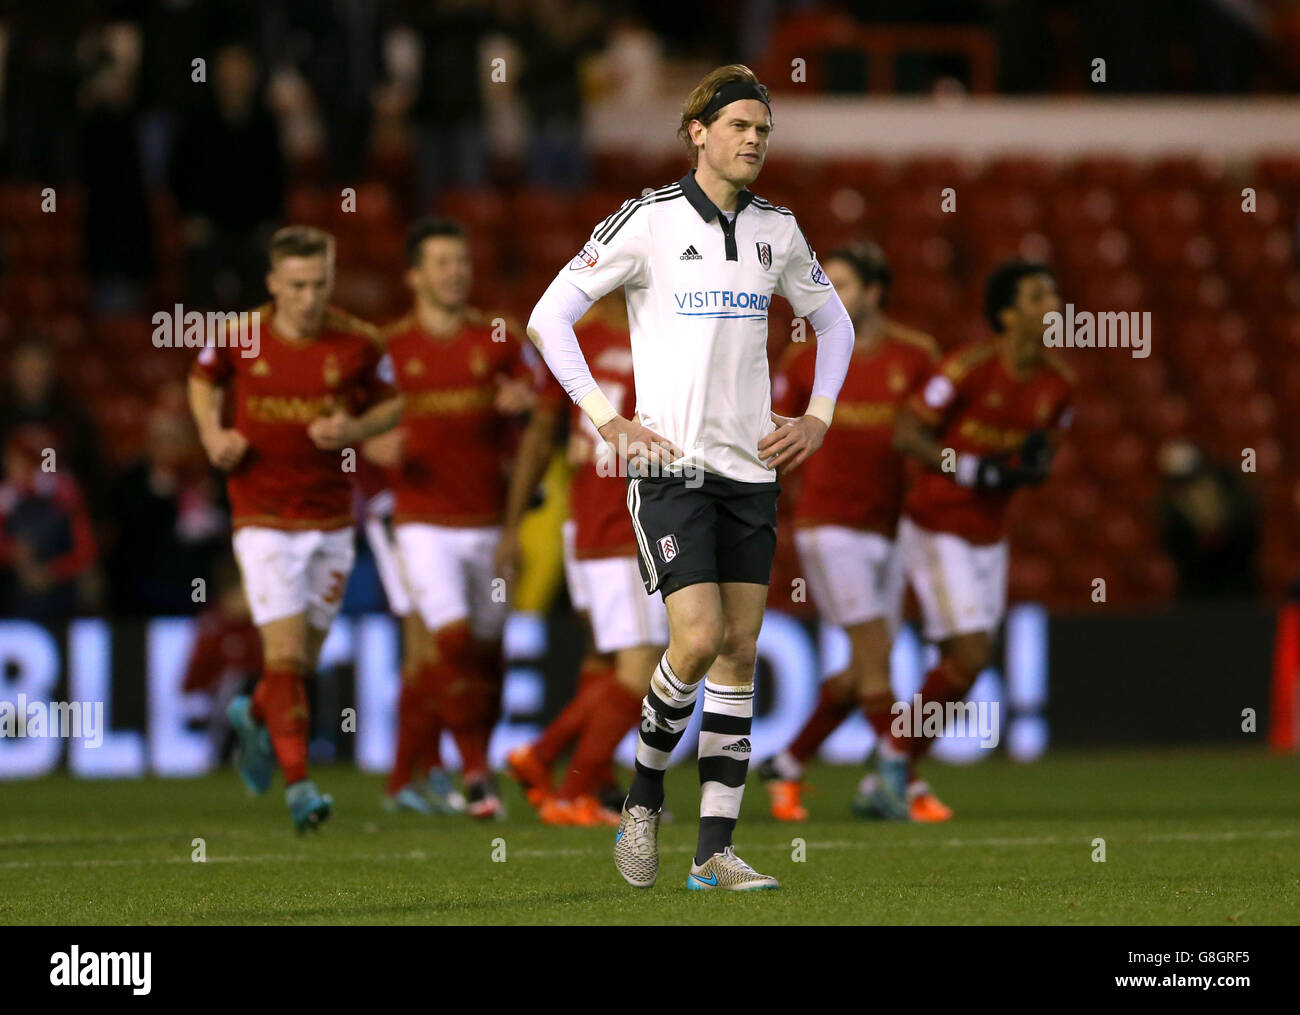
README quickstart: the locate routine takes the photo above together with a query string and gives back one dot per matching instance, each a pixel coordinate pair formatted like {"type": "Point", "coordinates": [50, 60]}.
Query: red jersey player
{"type": "Point", "coordinates": [314, 388]}
{"type": "Point", "coordinates": [847, 513]}
{"type": "Point", "coordinates": [457, 369]}
{"type": "Point", "coordinates": [629, 628]}
{"type": "Point", "coordinates": [982, 425]}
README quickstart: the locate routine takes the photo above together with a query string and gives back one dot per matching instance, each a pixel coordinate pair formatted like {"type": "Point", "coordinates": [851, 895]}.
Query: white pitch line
{"type": "Point", "coordinates": [542, 854]}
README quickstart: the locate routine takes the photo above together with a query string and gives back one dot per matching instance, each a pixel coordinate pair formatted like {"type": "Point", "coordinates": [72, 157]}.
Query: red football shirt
{"type": "Point", "coordinates": [598, 493]}
{"type": "Point", "coordinates": [284, 481]}
{"type": "Point", "coordinates": [856, 478]}
{"type": "Point", "coordinates": [978, 405]}
{"type": "Point", "coordinates": [458, 446]}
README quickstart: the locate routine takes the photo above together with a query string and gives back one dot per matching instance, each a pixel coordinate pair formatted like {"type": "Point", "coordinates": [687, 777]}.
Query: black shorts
{"type": "Point", "coordinates": [688, 531]}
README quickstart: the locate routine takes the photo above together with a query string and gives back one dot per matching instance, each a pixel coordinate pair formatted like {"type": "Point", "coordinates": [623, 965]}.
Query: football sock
{"type": "Point", "coordinates": [948, 681]}
{"type": "Point", "coordinates": [567, 726]}
{"type": "Point", "coordinates": [281, 699]}
{"type": "Point", "coordinates": [665, 714]}
{"type": "Point", "coordinates": [615, 714]}
{"type": "Point", "coordinates": [724, 763]}
{"type": "Point", "coordinates": [411, 725]}
{"type": "Point", "coordinates": [878, 708]}
{"type": "Point", "coordinates": [828, 714]}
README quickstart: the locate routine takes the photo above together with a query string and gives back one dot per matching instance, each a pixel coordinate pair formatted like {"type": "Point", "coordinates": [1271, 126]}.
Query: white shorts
{"type": "Point", "coordinates": [450, 576]}
{"type": "Point", "coordinates": [962, 588]}
{"type": "Point", "coordinates": [854, 576]}
{"type": "Point", "coordinates": [287, 573]}
{"type": "Point", "coordinates": [613, 595]}
{"type": "Point", "coordinates": [388, 562]}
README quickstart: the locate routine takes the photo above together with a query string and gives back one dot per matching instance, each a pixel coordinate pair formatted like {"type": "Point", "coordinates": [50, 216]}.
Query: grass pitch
{"type": "Point", "coordinates": [1190, 838]}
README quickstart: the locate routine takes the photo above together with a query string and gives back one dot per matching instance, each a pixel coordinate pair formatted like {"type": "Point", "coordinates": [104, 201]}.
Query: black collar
{"type": "Point", "coordinates": [701, 203]}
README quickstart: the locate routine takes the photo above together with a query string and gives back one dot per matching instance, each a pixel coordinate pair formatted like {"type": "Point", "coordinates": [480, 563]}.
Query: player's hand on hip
{"type": "Point", "coordinates": [638, 445]}
{"type": "Point", "coordinates": [332, 433]}
{"type": "Point", "coordinates": [225, 448]}
{"type": "Point", "coordinates": [793, 440]}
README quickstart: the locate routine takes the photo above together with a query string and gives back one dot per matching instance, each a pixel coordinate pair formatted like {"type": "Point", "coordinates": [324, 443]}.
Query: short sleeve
{"type": "Point", "coordinates": [378, 378]}
{"type": "Point", "coordinates": [936, 398]}
{"type": "Point", "coordinates": [614, 256]}
{"type": "Point", "coordinates": [802, 280]}
{"type": "Point", "coordinates": [213, 364]}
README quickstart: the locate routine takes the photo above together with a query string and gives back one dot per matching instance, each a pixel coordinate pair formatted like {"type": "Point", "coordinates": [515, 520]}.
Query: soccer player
{"type": "Point", "coordinates": [699, 261]}
{"type": "Point", "coordinates": [981, 426]}
{"type": "Point", "coordinates": [458, 368]}
{"type": "Point", "coordinates": [846, 517]}
{"type": "Point", "coordinates": [315, 390]}
{"type": "Point", "coordinates": [418, 751]}
{"type": "Point", "coordinates": [629, 627]}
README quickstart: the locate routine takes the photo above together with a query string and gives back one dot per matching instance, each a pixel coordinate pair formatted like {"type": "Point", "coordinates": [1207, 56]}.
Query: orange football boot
{"type": "Point", "coordinates": [783, 796]}
{"type": "Point", "coordinates": [590, 812]}
{"type": "Point", "coordinates": [554, 811]}
{"type": "Point", "coordinates": [529, 772]}
{"type": "Point", "coordinates": [925, 806]}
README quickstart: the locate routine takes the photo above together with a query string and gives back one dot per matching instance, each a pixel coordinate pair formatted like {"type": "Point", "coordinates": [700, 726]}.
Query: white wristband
{"type": "Point", "coordinates": [968, 467]}
{"type": "Point", "coordinates": [597, 407]}
{"type": "Point", "coordinates": [821, 407]}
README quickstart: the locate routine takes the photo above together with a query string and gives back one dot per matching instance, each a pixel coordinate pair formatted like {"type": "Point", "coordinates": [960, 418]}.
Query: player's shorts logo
{"type": "Point", "coordinates": [668, 548]}
{"type": "Point", "coordinates": [587, 258]}
{"type": "Point", "coordinates": [764, 254]}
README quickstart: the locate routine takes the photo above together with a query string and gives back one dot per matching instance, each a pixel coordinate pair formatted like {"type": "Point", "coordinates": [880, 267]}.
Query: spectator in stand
{"type": "Point", "coordinates": [555, 37]}
{"type": "Point", "coordinates": [118, 231]}
{"type": "Point", "coordinates": [34, 397]}
{"type": "Point", "coordinates": [1210, 525]}
{"type": "Point", "coordinates": [447, 109]}
{"type": "Point", "coordinates": [169, 527]}
{"type": "Point", "coordinates": [228, 175]}
{"type": "Point", "coordinates": [46, 543]}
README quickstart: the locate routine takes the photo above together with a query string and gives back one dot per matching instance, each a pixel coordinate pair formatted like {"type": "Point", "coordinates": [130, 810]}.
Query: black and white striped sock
{"type": "Point", "coordinates": [665, 714]}
{"type": "Point", "coordinates": [724, 763]}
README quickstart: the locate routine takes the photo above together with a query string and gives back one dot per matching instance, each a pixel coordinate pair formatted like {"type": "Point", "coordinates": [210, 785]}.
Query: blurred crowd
{"type": "Point", "coordinates": [216, 107]}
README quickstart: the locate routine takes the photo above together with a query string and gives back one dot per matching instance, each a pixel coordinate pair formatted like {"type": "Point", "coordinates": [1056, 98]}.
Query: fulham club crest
{"type": "Point", "coordinates": [764, 254]}
{"type": "Point", "coordinates": [668, 548]}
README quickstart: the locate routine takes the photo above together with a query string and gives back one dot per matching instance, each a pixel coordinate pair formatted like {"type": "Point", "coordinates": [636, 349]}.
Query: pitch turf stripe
{"type": "Point", "coordinates": [351, 859]}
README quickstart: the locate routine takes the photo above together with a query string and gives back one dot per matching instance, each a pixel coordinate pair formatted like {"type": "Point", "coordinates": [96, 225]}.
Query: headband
{"type": "Point", "coordinates": [731, 92]}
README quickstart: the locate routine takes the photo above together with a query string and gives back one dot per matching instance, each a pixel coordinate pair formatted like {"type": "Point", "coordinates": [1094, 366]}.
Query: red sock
{"type": "Point", "coordinates": [566, 727]}
{"type": "Point", "coordinates": [617, 712]}
{"type": "Point", "coordinates": [948, 681]}
{"type": "Point", "coordinates": [281, 700]}
{"type": "Point", "coordinates": [828, 714]}
{"type": "Point", "coordinates": [414, 717]}
{"type": "Point", "coordinates": [428, 755]}
{"type": "Point", "coordinates": [878, 708]}
{"type": "Point", "coordinates": [472, 743]}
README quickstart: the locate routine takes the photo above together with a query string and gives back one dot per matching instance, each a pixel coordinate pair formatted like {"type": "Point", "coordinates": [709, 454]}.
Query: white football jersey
{"type": "Point", "coordinates": [698, 290]}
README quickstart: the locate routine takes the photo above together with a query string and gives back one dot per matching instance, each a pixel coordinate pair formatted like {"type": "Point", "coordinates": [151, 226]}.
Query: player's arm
{"type": "Point", "coordinates": [530, 465]}
{"type": "Point", "coordinates": [614, 256]}
{"type": "Point", "coordinates": [811, 295]}
{"type": "Point", "coordinates": [224, 447]}
{"type": "Point", "coordinates": [333, 433]}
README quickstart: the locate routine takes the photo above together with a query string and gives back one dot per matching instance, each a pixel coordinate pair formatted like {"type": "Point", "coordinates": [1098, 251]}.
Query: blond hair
{"type": "Point", "coordinates": [300, 241]}
{"type": "Point", "coordinates": [702, 95]}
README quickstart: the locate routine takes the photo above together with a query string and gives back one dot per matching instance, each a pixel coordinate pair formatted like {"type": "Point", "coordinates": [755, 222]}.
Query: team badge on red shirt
{"type": "Point", "coordinates": [478, 363]}
{"type": "Point", "coordinates": [330, 371]}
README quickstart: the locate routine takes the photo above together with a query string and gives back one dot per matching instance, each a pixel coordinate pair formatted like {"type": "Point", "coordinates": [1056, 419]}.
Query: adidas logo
{"type": "Point", "coordinates": [741, 746]}
{"type": "Point", "coordinates": [691, 254]}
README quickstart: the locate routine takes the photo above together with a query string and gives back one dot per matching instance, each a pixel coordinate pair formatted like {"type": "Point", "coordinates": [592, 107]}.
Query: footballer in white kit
{"type": "Point", "coordinates": [700, 261]}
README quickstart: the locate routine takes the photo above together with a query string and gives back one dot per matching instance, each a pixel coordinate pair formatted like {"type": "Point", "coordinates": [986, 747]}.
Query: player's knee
{"type": "Point", "coordinates": [287, 662]}
{"type": "Point", "coordinates": [695, 649]}
{"type": "Point", "coordinates": [740, 651]}
{"type": "Point", "coordinates": [965, 659]}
